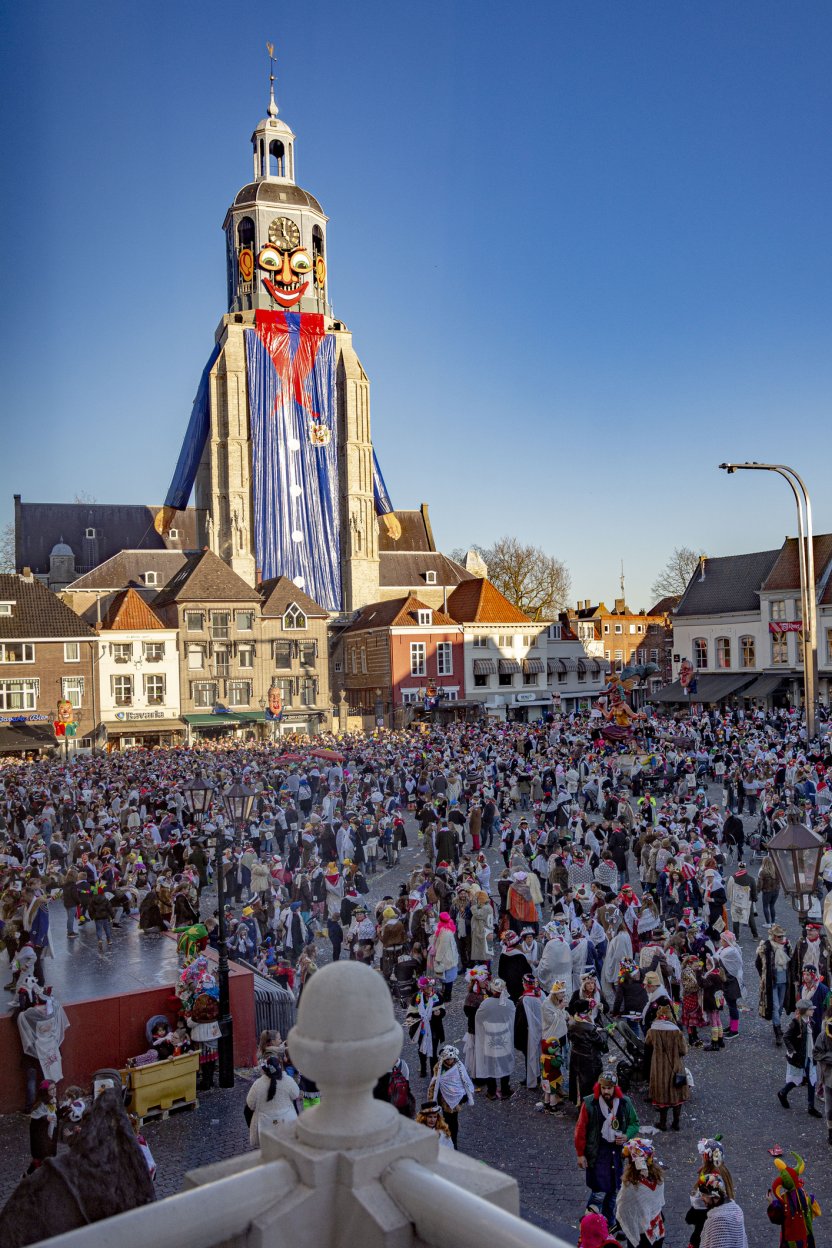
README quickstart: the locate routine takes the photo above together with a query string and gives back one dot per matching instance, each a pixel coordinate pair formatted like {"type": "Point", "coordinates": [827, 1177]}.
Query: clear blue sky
{"type": "Point", "coordinates": [583, 248]}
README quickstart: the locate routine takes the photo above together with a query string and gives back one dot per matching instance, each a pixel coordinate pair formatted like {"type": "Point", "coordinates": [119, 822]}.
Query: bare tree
{"type": "Point", "coordinates": [535, 582]}
{"type": "Point", "coordinates": [673, 579]}
{"type": "Point", "coordinates": [7, 559]}
{"type": "Point", "coordinates": [85, 497]}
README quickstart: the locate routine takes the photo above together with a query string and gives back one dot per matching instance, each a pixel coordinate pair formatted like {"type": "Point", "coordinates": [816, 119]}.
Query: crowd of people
{"type": "Point", "coordinates": [585, 902]}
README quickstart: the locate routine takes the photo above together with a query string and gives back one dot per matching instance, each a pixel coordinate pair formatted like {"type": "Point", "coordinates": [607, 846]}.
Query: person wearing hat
{"type": "Point", "coordinates": [800, 1069]}
{"type": "Point", "coordinates": [494, 1040]}
{"type": "Point", "coordinates": [513, 965]}
{"type": "Point", "coordinates": [777, 988]}
{"type": "Point", "coordinates": [425, 1021]}
{"type": "Point", "coordinates": [594, 1232]}
{"type": "Point", "coordinates": [430, 1115]}
{"type": "Point", "coordinates": [668, 1080]}
{"type": "Point", "coordinates": [607, 1120]}
{"type": "Point", "coordinates": [724, 1224]}
{"type": "Point", "coordinates": [639, 1207]}
{"type": "Point", "coordinates": [451, 1087]}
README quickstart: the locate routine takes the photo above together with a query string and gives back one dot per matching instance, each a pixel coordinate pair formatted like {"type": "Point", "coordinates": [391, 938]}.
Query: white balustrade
{"type": "Point", "coordinates": [351, 1171]}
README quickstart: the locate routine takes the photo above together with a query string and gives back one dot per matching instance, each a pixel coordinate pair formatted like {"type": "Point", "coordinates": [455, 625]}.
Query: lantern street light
{"type": "Point", "coordinates": [237, 803]}
{"type": "Point", "coordinates": [797, 853]}
{"type": "Point", "coordinates": [199, 795]}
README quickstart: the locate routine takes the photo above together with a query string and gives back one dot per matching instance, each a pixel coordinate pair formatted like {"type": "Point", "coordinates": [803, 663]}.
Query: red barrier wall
{"type": "Point", "coordinates": [105, 1031]}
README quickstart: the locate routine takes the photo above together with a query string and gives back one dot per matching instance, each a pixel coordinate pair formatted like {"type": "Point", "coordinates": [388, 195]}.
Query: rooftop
{"type": "Point", "coordinates": [128, 568]}
{"type": "Point", "coordinates": [279, 592]}
{"type": "Point", "coordinates": [727, 584]}
{"type": "Point", "coordinates": [117, 526]}
{"type": "Point", "coordinates": [36, 611]}
{"type": "Point", "coordinates": [129, 612]}
{"type": "Point", "coordinates": [205, 578]}
{"type": "Point", "coordinates": [477, 601]}
{"type": "Point", "coordinates": [398, 613]}
{"type": "Point", "coordinates": [786, 572]}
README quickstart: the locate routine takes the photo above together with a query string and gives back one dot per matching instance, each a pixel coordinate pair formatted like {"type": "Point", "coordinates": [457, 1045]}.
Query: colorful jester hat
{"type": "Point", "coordinates": [192, 940]}
{"type": "Point", "coordinates": [799, 1210]}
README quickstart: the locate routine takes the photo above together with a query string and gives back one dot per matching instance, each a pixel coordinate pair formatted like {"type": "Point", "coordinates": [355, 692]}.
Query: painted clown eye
{"type": "Point", "coordinates": [270, 258]}
{"type": "Point", "coordinates": [300, 261]}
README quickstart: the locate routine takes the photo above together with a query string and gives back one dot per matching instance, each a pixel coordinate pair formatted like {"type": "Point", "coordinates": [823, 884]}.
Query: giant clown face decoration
{"type": "Point", "coordinates": [287, 264]}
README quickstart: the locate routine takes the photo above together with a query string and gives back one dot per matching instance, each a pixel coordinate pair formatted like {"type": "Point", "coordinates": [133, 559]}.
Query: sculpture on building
{"type": "Point", "coordinates": [620, 718]}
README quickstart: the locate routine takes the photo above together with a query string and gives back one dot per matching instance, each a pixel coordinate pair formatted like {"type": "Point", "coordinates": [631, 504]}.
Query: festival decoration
{"type": "Point", "coordinates": [619, 715]}
{"type": "Point", "coordinates": [687, 677]}
{"type": "Point", "coordinates": [245, 263]}
{"type": "Point", "coordinates": [274, 705]}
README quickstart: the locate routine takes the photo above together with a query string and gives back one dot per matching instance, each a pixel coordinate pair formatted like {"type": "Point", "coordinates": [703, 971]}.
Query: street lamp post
{"type": "Point", "coordinates": [237, 803]}
{"type": "Point", "coordinates": [797, 852]}
{"type": "Point", "coordinates": [199, 794]}
{"type": "Point", "coordinates": [808, 591]}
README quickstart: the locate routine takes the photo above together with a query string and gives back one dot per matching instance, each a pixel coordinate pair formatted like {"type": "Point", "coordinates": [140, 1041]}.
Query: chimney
{"type": "Point", "coordinates": [620, 607]}
{"type": "Point", "coordinates": [701, 567]}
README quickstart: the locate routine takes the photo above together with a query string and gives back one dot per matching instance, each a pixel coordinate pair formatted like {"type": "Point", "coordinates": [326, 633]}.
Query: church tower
{"type": "Point", "coordinates": [286, 493]}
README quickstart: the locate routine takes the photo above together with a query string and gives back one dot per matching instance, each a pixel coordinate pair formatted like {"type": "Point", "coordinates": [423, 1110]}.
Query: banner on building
{"type": "Point", "coordinates": [294, 452]}
{"type": "Point", "coordinates": [785, 626]}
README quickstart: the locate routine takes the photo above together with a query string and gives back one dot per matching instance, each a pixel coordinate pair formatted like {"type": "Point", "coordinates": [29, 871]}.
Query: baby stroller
{"type": "Point", "coordinates": [630, 1067]}
{"type": "Point", "coordinates": [404, 980]}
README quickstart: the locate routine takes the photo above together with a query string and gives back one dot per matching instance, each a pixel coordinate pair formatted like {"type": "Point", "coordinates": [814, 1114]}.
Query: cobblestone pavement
{"type": "Point", "coordinates": [734, 1095]}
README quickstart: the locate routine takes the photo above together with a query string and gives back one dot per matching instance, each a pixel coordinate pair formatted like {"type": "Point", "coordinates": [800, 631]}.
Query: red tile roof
{"type": "Point", "coordinates": [398, 613]}
{"type": "Point", "coordinates": [786, 572]}
{"type": "Point", "coordinates": [479, 602]}
{"type": "Point", "coordinates": [129, 611]}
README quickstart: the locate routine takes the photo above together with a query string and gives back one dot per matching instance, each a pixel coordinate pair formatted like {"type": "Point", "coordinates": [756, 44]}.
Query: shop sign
{"type": "Point", "coordinates": [126, 716]}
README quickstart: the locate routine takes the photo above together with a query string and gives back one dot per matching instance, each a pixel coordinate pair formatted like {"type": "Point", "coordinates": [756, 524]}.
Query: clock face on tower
{"type": "Point", "coordinates": [284, 234]}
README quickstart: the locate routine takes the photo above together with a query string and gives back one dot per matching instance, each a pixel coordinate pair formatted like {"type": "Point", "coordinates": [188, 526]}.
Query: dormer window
{"type": "Point", "coordinates": [294, 619]}
{"type": "Point", "coordinates": [90, 533]}
{"type": "Point", "coordinates": [6, 608]}
{"type": "Point", "coordinates": [173, 535]}
{"type": "Point", "coordinates": [424, 617]}
{"type": "Point", "coordinates": [430, 577]}
{"type": "Point", "coordinates": [151, 578]}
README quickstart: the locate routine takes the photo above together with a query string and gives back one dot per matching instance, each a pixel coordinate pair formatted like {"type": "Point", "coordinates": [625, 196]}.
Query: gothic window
{"type": "Point", "coordinates": [294, 618]}
{"type": "Point", "coordinates": [277, 159]}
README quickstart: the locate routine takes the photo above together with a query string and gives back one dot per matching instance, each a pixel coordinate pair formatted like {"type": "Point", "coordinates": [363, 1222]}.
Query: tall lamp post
{"type": "Point", "coordinates": [199, 795]}
{"type": "Point", "coordinates": [237, 803]}
{"type": "Point", "coordinates": [797, 852]}
{"type": "Point", "coordinates": [808, 592]}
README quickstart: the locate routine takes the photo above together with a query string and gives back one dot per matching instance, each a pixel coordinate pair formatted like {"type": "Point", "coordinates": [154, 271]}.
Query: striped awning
{"type": "Point", "coordinates": [507, 667]}
{"type": "Point", "coordinates": [484, 667]}
{"type": "Point", "coordinates": [533, 667]}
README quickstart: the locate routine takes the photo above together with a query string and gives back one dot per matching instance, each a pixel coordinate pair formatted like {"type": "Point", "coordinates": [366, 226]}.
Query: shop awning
{"type": "Point", "coordinates": [710, 688]}
{"type": "Point", "coordinates": [207, 720]}
{"type": "Point", "coordinates": [143, 727]}
{"type": "Point", "coordinates": [532, 667]}
{"type": "Point", "coordinates": [507, 667]}
{"type": "Point", "coordinates": [251, 717]}
{"type": "Point", "coordinates": [484, 667]}
{"type": "Point", "coordinates": [25, 737]}
{"type": "Point", "coordinates": [763, 686]}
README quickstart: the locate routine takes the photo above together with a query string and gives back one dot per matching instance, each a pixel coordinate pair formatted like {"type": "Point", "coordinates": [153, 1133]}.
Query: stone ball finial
{"type": "Point", "coordinates": [345, 1038]}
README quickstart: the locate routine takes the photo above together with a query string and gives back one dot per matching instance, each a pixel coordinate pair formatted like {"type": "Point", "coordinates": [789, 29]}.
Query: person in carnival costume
{"type": "Point", "coordinates": [639, 1207]}
{"type": "Point", "coordinates": [554, 1022]}
{"type": "Point", "coordinates": [711, 1152]}
{"type": "Point", "coordinates": [451, 1087]}
{"type": "Point", "coordinates": [790, 1207]}
{"type": "Point", "coordinates": [426, 1022]}
{"type": "Point", "coordinates": [724, 1224]}
{"type": "Point", "coordinates": [606, 1122]}
{"type": "Point", "coordinates": [594, 1232]}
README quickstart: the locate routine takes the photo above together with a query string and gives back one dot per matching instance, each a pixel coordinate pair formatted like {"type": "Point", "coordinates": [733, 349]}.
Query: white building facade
{"type": "Point", "coordinates": [138, 675]}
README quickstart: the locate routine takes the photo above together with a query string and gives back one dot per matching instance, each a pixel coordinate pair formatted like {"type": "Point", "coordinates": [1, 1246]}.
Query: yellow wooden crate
{"type": "Point", "coordinates": [161, 1086]}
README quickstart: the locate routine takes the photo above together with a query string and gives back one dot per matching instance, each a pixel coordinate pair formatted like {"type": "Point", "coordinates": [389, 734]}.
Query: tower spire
{"type": "Point", "coordinates": [272, 105]}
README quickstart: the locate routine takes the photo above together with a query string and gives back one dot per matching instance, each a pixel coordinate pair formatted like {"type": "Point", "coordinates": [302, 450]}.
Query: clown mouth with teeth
{"type": "Point", "coordinates": [287, 284]}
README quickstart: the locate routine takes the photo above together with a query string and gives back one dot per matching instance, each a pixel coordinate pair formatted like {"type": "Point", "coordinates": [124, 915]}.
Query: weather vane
{"type": "Point", "coordinates": [272, 105]}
